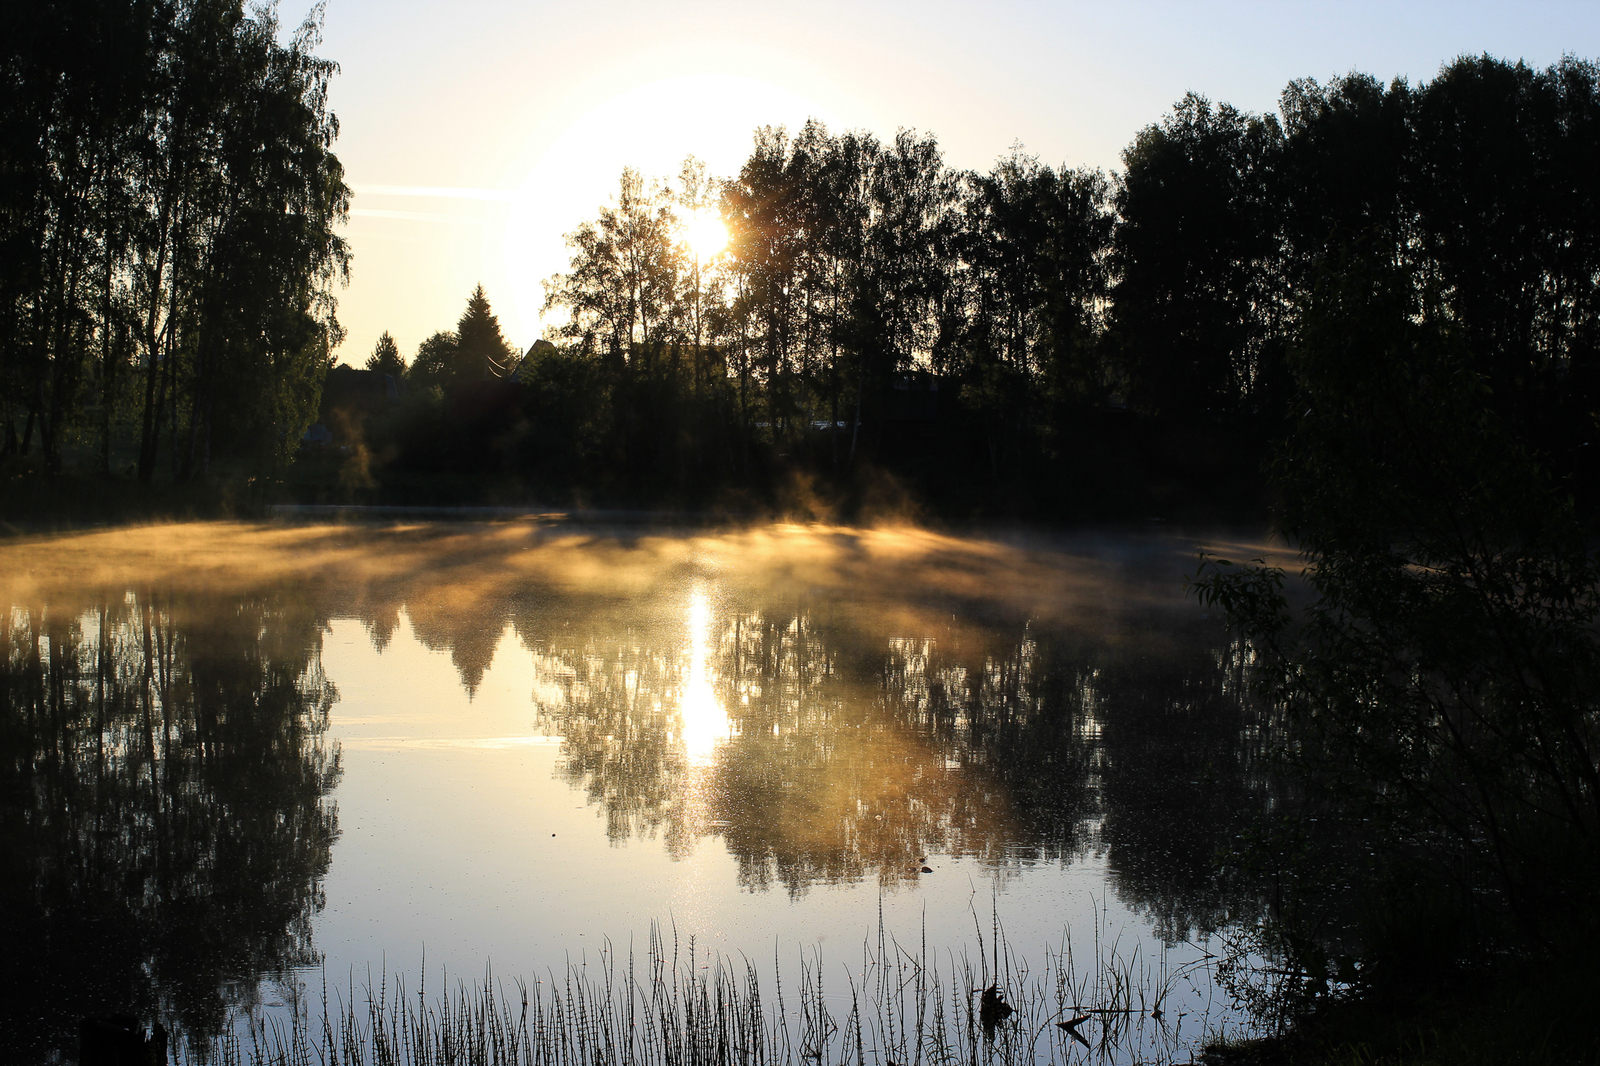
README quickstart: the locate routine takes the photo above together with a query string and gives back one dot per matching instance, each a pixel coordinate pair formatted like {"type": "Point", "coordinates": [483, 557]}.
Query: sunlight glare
{"type": "Point", "coordinates": [706, 235]}
{"type": "Point", "coordinates": [651, 128]}
{"type": "Point", "coordinates": [705, 722]}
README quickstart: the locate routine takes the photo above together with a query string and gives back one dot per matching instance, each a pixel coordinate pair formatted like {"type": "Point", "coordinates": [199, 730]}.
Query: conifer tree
{"type": "Point", "coordinates": [482, 354]}
{"type": "Point", "coordinates": [386, 357]}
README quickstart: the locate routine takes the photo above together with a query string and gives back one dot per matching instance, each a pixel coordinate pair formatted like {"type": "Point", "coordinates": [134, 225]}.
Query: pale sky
{"type": "Point", "coordinates": [477, 132]}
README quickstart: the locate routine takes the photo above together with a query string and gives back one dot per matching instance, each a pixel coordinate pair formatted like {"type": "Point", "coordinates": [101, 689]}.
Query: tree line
{"type": "Point", "coordinates": [1051, 307]}
{"type": "Point", "coordinates": [168, 246]}
{"type": "Point", "coordinates": [171, 203]}
{"type": "Point", "coordinates": [1434, 292]}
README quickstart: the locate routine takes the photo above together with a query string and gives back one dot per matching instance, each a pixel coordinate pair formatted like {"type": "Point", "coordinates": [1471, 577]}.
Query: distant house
{"type": "Point", "coordinates": [538, 348]}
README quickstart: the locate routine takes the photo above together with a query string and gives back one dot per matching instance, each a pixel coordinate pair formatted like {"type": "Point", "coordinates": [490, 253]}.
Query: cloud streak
{"type": "Point", "coordinates": [437, 192]}
{"type": "Point", "coordinates": [413, 216]}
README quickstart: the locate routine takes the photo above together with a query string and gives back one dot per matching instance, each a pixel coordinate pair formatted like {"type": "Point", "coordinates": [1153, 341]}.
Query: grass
{"type": "Point", "coordinates": [677, 1006]}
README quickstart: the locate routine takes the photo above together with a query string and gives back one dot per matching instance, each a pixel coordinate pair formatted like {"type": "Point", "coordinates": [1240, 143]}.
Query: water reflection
{"type": "Point", "coordinates": [703, 720]}
{"type": "Point", "coordinates": [165, 806]}
{"type": "Point", "coordinates": [831, 705]}
{"type": "Point", "coordinates": [823, 745]}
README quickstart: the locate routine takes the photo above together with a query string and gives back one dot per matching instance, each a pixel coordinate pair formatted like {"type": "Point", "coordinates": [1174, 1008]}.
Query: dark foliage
{"type": "Point", "coordinates": [1442, 685]}
{"type": "Point", "coordinates": [1038, 341]}
{"type": "Point", "coordinates": [168, 200]}
{"type": "Point", "coordinates": [386, 357]}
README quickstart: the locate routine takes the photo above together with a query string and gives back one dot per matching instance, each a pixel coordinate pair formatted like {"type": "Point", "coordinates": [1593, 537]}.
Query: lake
{"type": "Point", "coordinates": [247, 762]}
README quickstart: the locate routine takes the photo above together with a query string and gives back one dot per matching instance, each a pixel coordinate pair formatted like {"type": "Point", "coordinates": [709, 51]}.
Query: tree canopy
{"type": "Point", "coordinates": [1048, 306]}
{"type": "Point", "coordinates": [168, 214]}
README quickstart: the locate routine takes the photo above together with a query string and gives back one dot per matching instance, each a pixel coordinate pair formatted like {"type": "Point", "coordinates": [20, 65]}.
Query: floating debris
{"type": "Point", "coordinates": [993, 1009]}
{"type": "Point", "coordinates": [1071, 1028]}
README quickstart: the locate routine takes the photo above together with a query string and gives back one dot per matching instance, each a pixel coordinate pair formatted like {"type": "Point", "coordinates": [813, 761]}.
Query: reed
{"type": "Point", "coordinates": [677, 1006]}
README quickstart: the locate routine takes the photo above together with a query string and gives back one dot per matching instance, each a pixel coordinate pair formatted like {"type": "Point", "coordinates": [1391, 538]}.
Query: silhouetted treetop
{"type": "Point", "coordinates": [436, 360]}
{"type": "Point", "coordinates": [1198, 304]}
{"type": "Point", "coordinates": [863, 276]}
{"type": "Point", "coordinates": [386, 358]}
{"type": "Point", "coordinates": [482, 354]}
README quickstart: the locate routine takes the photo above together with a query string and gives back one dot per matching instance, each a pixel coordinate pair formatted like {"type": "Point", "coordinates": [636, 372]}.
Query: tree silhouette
{"type": "Point", "coordinates": [1043, 339]}
{"type": "Point", "coordinates": [623, 287]}
{"type": "Point", "coordinates": [1443, 679]}
{"type": "Point", "coordinates": [170, 209]}
{"type": "Point", "coordinates": [1199, 302]}
{"type": "Point", "coordinates": [1035, 241]}
{"type": "Point", "coordinates": [386, 358]}
{"type": "Point", "coordinates": [167, 798]}
{"type": "Point", "coordinates": [436, 360]}
{"type": "Point", "coordinates": [481, 354]}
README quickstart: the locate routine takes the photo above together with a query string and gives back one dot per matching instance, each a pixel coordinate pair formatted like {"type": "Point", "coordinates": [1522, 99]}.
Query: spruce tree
{"type": "Point", "coordinates": [386, 357]}
{"type": "Point", "coordinates": [482, 354]}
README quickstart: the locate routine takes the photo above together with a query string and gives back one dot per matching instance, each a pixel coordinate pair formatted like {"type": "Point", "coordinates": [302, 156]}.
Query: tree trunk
{"type": "Point", "coordinates": [855, 430]}
{"type": "Point", "coordinates": [150, 428]}
{"type": "Point", "coordinates": [156, 383]}
{"type": "Point", "coordinates": [833, 419]}
{"type": "Point", "coordinates": [170, 398]}
{"type": "Point", "coordinates": [107, 367]}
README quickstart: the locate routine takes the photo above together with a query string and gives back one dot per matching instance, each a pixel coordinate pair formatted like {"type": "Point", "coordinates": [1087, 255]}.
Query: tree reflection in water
{"type": "Point", "coordinates": [166, 811]}
{"type": "Point", "coordinates": [833, 705]}
{"type": "Point", "coordinates": [865, 736]}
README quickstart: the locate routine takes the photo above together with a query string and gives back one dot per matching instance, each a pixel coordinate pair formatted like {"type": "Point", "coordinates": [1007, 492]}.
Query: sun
{"type": "Point", "coordinates": [705, 235]}
{"type": "Point", "coordinates": [652, 128]}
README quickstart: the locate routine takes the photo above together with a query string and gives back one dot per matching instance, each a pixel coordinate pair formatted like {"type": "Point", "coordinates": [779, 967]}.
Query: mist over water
{"type": "Point", "coordinates": [238, 756]}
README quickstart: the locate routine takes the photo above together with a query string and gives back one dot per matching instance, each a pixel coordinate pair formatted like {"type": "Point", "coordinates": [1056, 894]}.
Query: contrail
{"type": "Point", "coordinates": [442, 192]}
{"type": "Point", "coordinates": [413, 216]}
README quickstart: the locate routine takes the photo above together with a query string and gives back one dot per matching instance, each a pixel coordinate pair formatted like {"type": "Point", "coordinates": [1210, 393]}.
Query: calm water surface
{"type": "Point", "coordinates": [239, 757]}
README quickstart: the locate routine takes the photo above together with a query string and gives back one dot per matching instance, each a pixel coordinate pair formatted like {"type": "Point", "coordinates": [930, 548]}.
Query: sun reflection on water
{"type": "Point", "coordinates": [704, 720]}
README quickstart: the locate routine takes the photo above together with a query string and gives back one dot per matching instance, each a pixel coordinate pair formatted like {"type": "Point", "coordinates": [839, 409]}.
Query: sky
{"type": "Point", "coordinates": [477, 133]}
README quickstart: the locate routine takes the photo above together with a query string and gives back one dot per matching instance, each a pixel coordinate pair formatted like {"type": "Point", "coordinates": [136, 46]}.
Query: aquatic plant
{"type": "Point", "coordinates": [678, 1006]}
